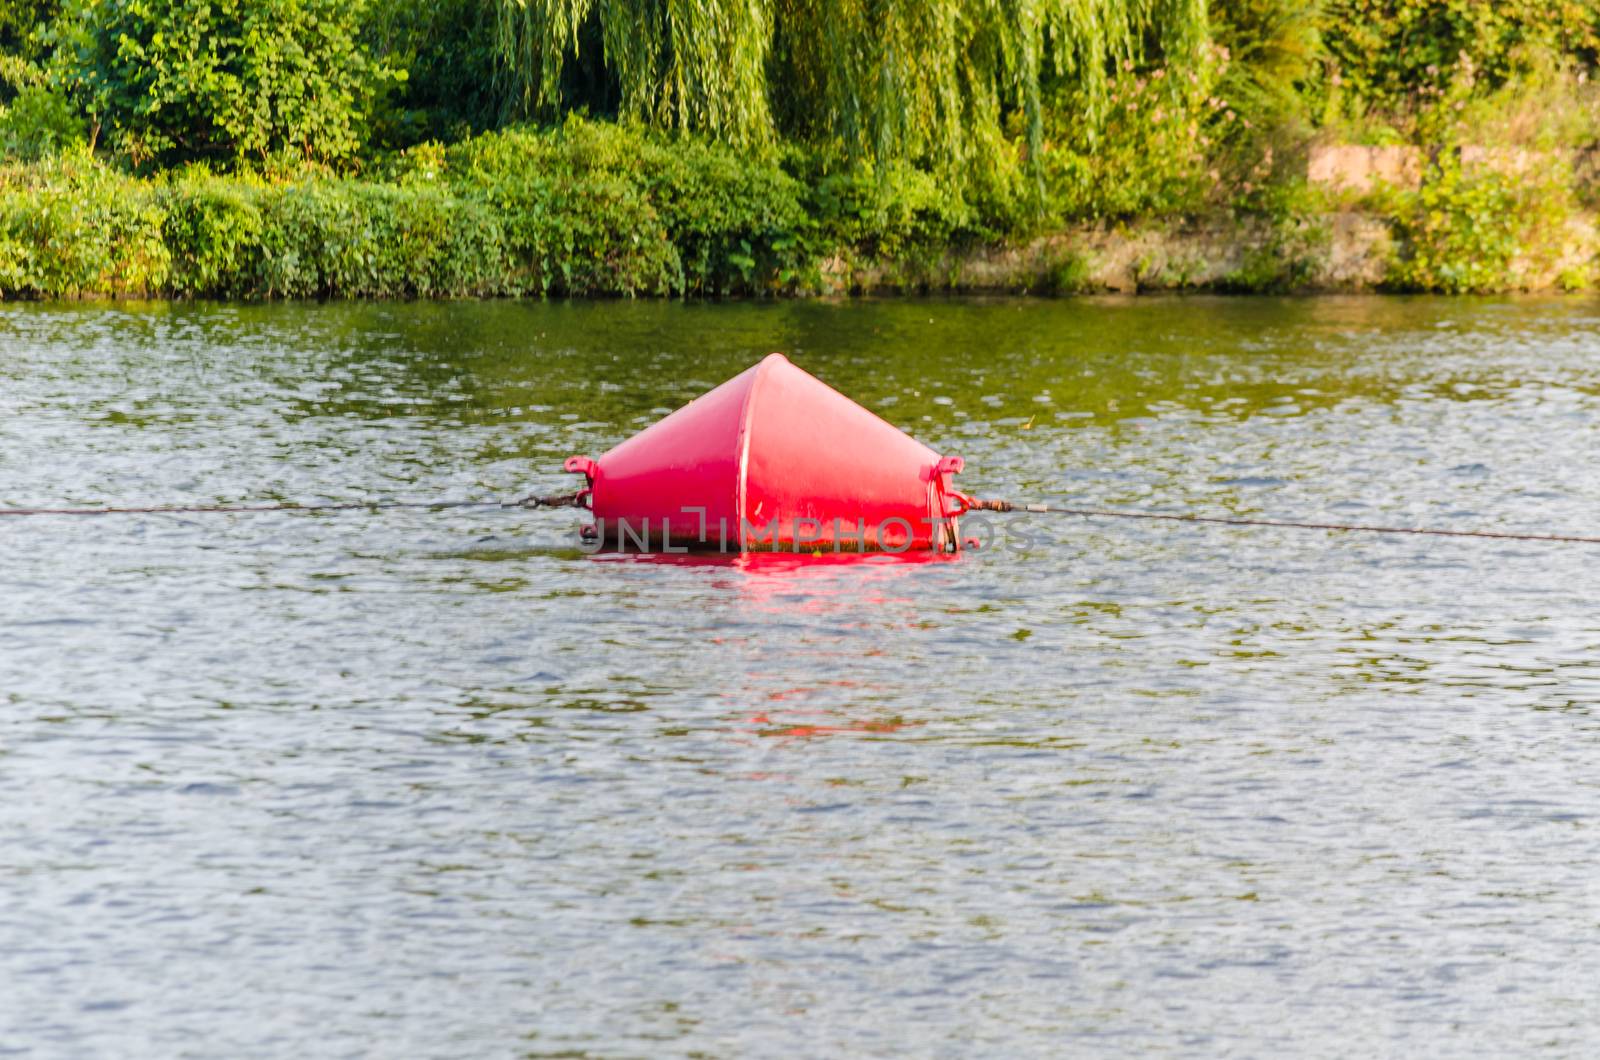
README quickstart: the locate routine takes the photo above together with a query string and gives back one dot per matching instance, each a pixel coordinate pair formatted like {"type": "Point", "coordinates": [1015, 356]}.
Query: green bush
{"type": "Point", "coordinates": [738, 223]}
{"type": "Point", "coordinates": [1390, 54]}
{"type": "Point", "coordinates": [902, 214]}
{"type": "Point", "coordinates": [174, 80]}
{"type": "Point", "coordinates": [428, 243]}
{"type": "Point", "coordinates": [571, 228]}
{"type": "Point", "coordinates": [447, 48]}
{"type": "Point", "coordinates": [586, 209]}
{"type": "Point", "coordinates": [72, 227]}
{"type": "Point", "coordinates": [1461, 231]}
{"type": "Point", "coordinates": [353, 240]}
{"type": "Point", "coordinates": [39, 121]}
{"type": "Point", "coordinates": [591, 207]}
{"type": "Point", "coordinates": [22, 39]}
{"type": "Point", "coordinates": [1150, 154]}
{"type": "Point", "coordinates": [212, 228]}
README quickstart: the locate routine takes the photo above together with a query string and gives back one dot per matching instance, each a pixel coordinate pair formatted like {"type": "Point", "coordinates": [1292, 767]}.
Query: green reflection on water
{"type": "Point", "coordinates": [597, 369]}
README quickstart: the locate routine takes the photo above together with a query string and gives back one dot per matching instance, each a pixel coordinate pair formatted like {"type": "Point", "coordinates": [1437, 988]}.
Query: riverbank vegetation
{"type": "Point", "coordinates": [449, 148]}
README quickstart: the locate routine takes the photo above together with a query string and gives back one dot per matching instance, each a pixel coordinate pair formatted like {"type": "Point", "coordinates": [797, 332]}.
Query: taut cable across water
{"type": "Point", "coordinates": [1099, 513]}
{"type": "Point", "coordinates": [554, 500]}
{"type": "Point", "coordinates": [570, 500]}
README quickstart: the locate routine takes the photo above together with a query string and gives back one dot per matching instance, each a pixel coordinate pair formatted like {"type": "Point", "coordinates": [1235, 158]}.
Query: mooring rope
{"type": "Point", "coordinates": [1100, 513]}
{"type": "Point", "coordinates": [554, 500]}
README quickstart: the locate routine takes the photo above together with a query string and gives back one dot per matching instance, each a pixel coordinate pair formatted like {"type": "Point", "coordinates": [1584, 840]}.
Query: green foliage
{"type": "Point", "coordinates": [1459, 234]}
{"type": "Point", "coordinates": [353, 240]}
{"type": "Point", "coordinates": [1150, 157]}
{"type": "Point", "coordinates": [69, 226]}
{"type": "Point", "coordinates": [1576, 278]}
{"type": "Point", "coordinates": [686, 64]}
{"type": "Point", "coordinates": [585, 209]}
{"type": "Point", "coordinates": [329, 238]}
{"type": "Point", "coordinates": [934, 83]}
{"type": "Point", "coordinates": [871, 80]}
{"type": "Point", "coordinates": [1297, 239]}
{"type": "Point", "coordinates": [21, 49]}
{"type": "Point", "coordinates": [739, 223]}
{"type": "Point", "coordinates": [39, 121]}
{"type": "Point", "coordinates": [1389, 54]}
{"type": "Point", "coordinates": [1461, 231]}
{"type": "Point", "coordinates": [214, 228]}
{"type": "Point", "coordinates": [1069, 271]}
{"type": "Point", "coordinates": [901, 215]}
{"type": "Point", "coordinates": [449, 52]}
{"type": "Point", "coordinates": [223, 79]}
{"type": "Point", "coordinates": [594, 207]}
{"type": "Point", "coordinates": [22, 23]}
{"type": "Point", "coordinates": [1552, 106]}
{"type": "Point", "coordinates": [573, 224]}
{"type": "Point", "coordinates": [1272, 48]}
{"type": "Point", "coordinates": [750, 145]}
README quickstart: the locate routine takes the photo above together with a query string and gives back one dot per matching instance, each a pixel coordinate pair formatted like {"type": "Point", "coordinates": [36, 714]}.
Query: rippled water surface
{"type": "Point", "coordinates": [438, 784]}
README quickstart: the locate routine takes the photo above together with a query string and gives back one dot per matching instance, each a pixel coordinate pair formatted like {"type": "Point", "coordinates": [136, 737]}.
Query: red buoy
{"type": "Point", "coordinates": [773, 459]}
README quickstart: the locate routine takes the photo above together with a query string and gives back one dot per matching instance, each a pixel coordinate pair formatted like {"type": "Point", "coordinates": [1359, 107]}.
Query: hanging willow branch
{"type": "Point", "coordinates": [696, 65]}
{"type": "Point", "coordinates": [928, 80]}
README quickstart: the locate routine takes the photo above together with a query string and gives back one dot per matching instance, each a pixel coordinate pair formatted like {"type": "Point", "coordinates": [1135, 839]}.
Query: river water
{"type": "Point", "coordinates": [412, 784]}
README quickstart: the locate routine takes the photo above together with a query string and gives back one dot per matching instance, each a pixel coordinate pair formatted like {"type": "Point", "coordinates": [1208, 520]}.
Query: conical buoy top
{"type": "Point", "coordinates": [774, 458]}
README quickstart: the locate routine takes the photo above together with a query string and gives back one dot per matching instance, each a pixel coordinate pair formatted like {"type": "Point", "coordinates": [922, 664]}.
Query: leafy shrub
{"type": "Point", "coordinates": [587, 209]}
{"type": "Point", "coordinates": [429, 243]}
{"type": "Point", "coordinates": [39, 122]}
{"type": "Point", "coordinates": [1387, 53]}
{"type": "Point", "coordinates": [592, 207]}
{"type": "Point", "coordinates": [738, 223]}
{"type": "Point", "coordinates": [354, 240]}
{"type": "Point", "coordinates": [1461, 231]}
{"type": "Point", "coordinates": [901, 214]}
{"type": "Point", "coordinates": [1149, 155]}
{"type": "Point", "coordinates": [224, 79]}
{"type": "Point", "coordinates": [571, 228]}
{"type": "Point", "coordinates": [420, 165]}
{"type": "Point", "coordinates": [71, 227]}
{"type": "Point", "coordinates": [213, 229]}
{"type": "Point", "coordinates": [21, 39]}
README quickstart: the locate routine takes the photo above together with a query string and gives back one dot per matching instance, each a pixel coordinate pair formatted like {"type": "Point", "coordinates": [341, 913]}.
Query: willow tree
{"type": "Point", "coordinates": [698, 65]}
{"type": "Point", "coordinates": [927, 80]}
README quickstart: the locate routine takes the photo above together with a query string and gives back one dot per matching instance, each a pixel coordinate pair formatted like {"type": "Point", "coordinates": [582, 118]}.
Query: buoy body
{"type": "Point", "coordinates": [773, 459]}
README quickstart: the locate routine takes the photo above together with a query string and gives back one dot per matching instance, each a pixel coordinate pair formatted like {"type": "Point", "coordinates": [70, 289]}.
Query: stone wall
{"type": "Point", "coordinates": [1353, 252]}
{"type": "Point", "coordinates": [1358, 170]}
{"type": "Point", "coordinates": [1352, 168]}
